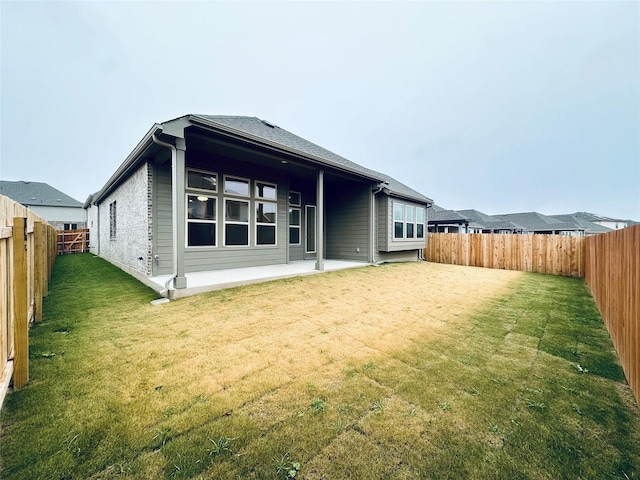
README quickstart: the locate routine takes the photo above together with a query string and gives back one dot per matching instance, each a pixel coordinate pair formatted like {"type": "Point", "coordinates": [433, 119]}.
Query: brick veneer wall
{"type": "Point", "coordinates": [131, 247]}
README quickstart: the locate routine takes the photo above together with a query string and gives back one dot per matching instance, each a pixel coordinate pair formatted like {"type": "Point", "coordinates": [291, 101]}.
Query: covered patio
{"type": "Point", "coordinates": [200, 282]}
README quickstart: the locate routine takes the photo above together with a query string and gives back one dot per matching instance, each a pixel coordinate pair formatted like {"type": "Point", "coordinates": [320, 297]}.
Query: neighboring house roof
{"type": "Point", "coordinates": [534, 221]}
{"type": "Point", "coordinates": [37, 194]}
{"type": "Point", "coordinates": [264, 133]}
{"type": "Point", "coordinates": [489, 222]}
{"type": "Point", "coordinates": [439, 215]}
{"type": "Point", "coordinates": [589, 227]}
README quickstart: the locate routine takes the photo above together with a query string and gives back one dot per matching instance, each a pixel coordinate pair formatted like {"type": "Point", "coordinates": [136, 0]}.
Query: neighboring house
{"type": "Point", "coordinates": [483, 223]}
{"type": "Point", "coordinates": [534, 222]}
{"type": "Point", "coordinates": [590, 228]}
{"type": "Point", "coordinates": [202, 193]}
{"type": "Point", "coordinates": [609, 223]}
{"type": "Point", "coordinates": [449, 221]}
{"type": "Point", "coordinates": [57, 208]}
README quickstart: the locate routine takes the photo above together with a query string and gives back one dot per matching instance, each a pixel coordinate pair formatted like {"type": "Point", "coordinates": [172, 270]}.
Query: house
{"type": "Point", "coordinates": [448, 221]}
{"type": "Point", "coordinates": [483, 223]}
{"type": "Point", "coordinates": [590, 228]}
{"type": "Point", "coordinates": [57, 208]}
{"type": "Point", "coordinates": [534, 222]}
{"type": "Point", "coordinates": [204, 193]}
{"type": "Point", "coordinates": [609, 223]}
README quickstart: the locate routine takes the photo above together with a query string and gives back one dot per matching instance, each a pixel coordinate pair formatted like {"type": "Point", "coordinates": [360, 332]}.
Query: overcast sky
{"type": "Point", "coordinates": [502, 107]}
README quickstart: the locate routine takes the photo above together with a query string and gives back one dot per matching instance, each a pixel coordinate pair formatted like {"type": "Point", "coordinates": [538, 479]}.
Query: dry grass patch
{"type": "Point", "coordinates": [400, 371]}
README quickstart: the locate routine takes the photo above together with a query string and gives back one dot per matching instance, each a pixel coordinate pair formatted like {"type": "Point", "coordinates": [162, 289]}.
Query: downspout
{"type": "Point", "coordinates": [374, 192]}
{"type": "Point", "coordinates": [174, 211]}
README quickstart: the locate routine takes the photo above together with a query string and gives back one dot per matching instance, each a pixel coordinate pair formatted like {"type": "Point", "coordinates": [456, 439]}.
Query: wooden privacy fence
{"type": "Point", "coordinates": [553, 254]}
{"type": "Point", "coordinates": [612, 271]}
{"type": "Point", "coordinates": [27, 253]}
{"type": "Point", "coordinates": [73, 241]}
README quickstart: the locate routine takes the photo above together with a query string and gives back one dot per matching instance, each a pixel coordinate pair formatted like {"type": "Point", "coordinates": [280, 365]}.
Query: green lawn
{"type": "Point", "coordinates": [400, 371]}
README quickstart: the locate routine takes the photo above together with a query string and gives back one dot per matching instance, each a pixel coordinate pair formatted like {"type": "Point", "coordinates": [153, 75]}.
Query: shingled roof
{"type": "Point", "coordinates": [36, 193]}
{"type": "Point", "coordinates": [273, 134]}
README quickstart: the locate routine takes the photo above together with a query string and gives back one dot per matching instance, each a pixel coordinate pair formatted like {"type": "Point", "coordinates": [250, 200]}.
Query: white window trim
{"type": "Point", "coordinates": [236, 177]}
{"type": "Point", "coordinates": [231, 222]}
{"type": "Point", "coordinates": [198, 220]}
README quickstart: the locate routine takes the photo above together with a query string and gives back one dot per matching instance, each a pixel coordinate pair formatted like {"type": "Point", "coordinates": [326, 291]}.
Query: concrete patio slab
{"type": "Point", "coordinates": [200, 282]}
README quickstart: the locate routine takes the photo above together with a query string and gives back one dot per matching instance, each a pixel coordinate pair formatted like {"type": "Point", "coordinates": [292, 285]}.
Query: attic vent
{"type": "Point", "coordinates": [268, 124]}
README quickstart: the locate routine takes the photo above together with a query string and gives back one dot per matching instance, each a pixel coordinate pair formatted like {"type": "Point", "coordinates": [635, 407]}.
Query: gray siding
{"type": "Point", "coordinates": [162, 224]}
{"type": "Point", "coordinates": [347, 210]}
{"type": "Point", "coordinates": [401, 256]}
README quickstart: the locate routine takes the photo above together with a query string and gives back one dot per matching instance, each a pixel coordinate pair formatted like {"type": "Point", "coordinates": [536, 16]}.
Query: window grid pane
{"type": "Point", "coordinates": [202, 180]}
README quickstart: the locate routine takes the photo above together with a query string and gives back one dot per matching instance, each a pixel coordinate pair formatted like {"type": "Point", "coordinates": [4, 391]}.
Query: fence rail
{"type": "Point", "coordinates": [553, 254]}
{"type": "Point", "coordinates": [613, 275]}
{"type": "Point", "coordinates": [27, 253]}
{"type": "Point", "coordinates": [73, 241]}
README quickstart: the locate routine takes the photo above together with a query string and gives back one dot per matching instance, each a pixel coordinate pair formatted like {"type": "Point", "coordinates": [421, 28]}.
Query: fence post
{"type": "Point", "coordinates": [20, 321]}
{"type": "Point", "coordinates": [39, 253]}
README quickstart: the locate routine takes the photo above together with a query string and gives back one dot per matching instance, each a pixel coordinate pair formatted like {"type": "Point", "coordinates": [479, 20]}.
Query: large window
{"type": "Point", "coordinates": [201, 221]}
{"type": "Point", "coordinates": [266, 217]}
{"type": "Point", "coordinates": [420, 222]}
{"type": "Point", "coordinates": [201, 208]}
{"type": "Point", "coordinates": [310, 211]}
{"type": "Point", "coordinates": [236, 212]}
{"type": "Point", "coordinates": [408, 221]}
{"type": "Point", "coordinates": [398, 220]}
{"type": "Point", "coordinates": [236, 222]}
{"type": "Point", "coordinates": [294, 218]}
{"type": "Point", "coordinates": [112, 220]}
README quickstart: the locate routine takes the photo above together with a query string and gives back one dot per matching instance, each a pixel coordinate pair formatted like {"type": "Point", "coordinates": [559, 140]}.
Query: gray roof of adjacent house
{"type": "Point", "coordinates": [589, 227]}
{"type": "Point", "coordinates": [489, 221]}
{"type": "Point", "coordinates": [534, 221]}
{"type": "Point", "coordinates": [440, 215]}
{"type": "Point", "coordinates": [262, 129]}
{"type": "Point", "coordinates": [36, 194]}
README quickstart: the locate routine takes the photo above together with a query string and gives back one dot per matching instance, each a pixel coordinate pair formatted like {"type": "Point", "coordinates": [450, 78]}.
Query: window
{"type": "Point", "coordinates": [420, 222]}
{"type": "Point", "coordinates": [311, 228]}
{"type": "Point", "coordinates": [398, 220]}
{"type": "Point", "coordinates": [294, 226]}
{"type": "Point", "coordinates": [294, 218]}
{"type": "Point", "coordinates": [200, 180]}
{"type": "Point", "coordinates": [112, 220]}
{"type": "Point", "coordinates": [408, 221]}
{"type": "Point", "coordinates": [201, 221]}
{"type": "Point", "coordinates": [236, 186]}
{"type": "Point", "coordinates": [266, 216]}
{"type": "Point", "coordinates": [294, 199]}
{"type": "Point", "coordinates": [236, 222]}
{"type": "Point", "coordinates": [266, 191]}
{"type": "Point", "coordinates": [71, 226]}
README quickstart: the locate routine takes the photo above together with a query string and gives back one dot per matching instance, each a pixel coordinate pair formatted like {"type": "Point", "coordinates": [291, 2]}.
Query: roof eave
{"type": "Point", "coordinates": [130, 163]}
{"type": "Point", "coordinates": [209, 124]}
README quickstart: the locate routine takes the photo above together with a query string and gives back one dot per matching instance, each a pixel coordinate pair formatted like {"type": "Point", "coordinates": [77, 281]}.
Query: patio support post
{"type": "Point", "coordinates": [179, 225]}
{"type": "Point", "coordinates": [320, 222]}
